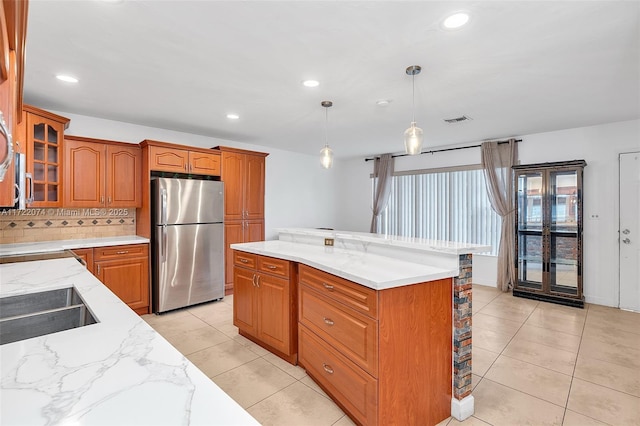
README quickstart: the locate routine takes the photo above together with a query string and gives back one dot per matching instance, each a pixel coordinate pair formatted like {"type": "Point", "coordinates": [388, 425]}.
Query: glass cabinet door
{"type": "Point", "coordinates": [564, 231]}
{"type": "Point", "coordinates": [529, 228]}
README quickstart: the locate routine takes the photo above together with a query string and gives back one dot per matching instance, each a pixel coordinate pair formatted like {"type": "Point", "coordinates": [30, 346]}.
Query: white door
{"type": "Point", "coordinates": [630, 231]}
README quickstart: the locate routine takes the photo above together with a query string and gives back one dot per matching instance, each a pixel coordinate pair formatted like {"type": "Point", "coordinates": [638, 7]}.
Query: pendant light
{"type": "Point", "coordinates": [326, 153]}
{"type": "Point", "coordinates": [413, 135]}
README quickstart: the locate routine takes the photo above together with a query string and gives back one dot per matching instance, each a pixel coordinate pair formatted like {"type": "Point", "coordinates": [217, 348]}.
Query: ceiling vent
{"type": "Point", "coordinates": [457, 119]}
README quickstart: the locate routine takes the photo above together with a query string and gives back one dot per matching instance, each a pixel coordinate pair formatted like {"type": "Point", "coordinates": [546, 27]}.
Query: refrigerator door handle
{"type": "Point", "coordinates": [163, 244]}
{"type": "Point", "coordinates": [163, 206]}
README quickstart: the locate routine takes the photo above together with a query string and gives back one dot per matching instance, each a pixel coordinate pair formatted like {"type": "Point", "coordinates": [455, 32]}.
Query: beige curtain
{"type": "Point", "coordinates": [382, 169]}
{"type": "Point", "coordinates": [497, 160]}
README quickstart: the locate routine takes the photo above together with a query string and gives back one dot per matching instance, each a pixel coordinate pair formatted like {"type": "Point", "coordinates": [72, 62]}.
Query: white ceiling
{"type": "Point", "coordinates": [518, 67]}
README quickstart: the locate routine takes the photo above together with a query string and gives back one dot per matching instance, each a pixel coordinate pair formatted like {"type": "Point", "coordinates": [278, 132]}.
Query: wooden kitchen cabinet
{"type": "Point", "coordinates": [86, 255]}
{"type": "Point", "coordinates": [167, 159]}
{"type": "Point", "coordinates": [13, 30]}
{"type": "Point", "coordinates": [243, 174]}
{"type": "Point", "coordinates": [102, 173]}
{"type": "Point", "coordinates": [43, 133]}
{"type": "Point", "coordinates": [264, 303]}
{"type": "Point", "coordinates": [238, 232]}
{"type": "Point", "coordinates": [124, 270]}
{"type": "Point", "coordinates": [372, 351]}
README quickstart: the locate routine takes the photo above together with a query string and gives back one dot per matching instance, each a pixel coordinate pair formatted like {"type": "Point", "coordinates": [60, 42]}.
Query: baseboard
{"type": "Point", "coordinates": [462, 409]}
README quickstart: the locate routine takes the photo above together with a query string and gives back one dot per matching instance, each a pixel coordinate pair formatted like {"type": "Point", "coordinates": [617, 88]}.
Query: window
{"type": "Point", "coordinates": [444, 205]}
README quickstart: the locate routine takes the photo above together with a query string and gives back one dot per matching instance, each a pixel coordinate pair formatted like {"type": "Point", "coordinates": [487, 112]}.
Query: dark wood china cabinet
{"type": "Point", "coordinates": [548, 238]}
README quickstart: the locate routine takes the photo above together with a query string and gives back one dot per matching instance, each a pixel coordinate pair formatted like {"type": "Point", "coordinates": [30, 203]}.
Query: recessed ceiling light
{"type": "Point", "coordinates": [66, 78]}
{"type": "Point", "coordinates": [383, 102]}
{"type": "Point", "coordinates": [311, 83]}
{"type": "Point", "coordinates": [233, 116]}
{"type": "Point", "coordinates": [456, 20]}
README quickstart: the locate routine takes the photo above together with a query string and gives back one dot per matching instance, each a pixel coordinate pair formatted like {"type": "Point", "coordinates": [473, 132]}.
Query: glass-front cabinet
{"type": "Point", "coordinates": [548, 236]}
{"type": "Point", "coordinates": [44, 139]}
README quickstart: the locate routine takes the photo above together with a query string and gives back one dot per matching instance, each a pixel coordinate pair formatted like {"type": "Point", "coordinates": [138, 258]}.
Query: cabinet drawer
{"type": "Point", "coordinates": [358, 297]}
{"type": "Point", "coordinates": [246, 260]}
{"type": "Point", "coordinates": [113, 252]}
{"type": "Point", "coordinates": [273, 266]}
{"type": "Point", "coordinates": [350, 385]}
{"type": "Point", "coordinates": [353, 334]}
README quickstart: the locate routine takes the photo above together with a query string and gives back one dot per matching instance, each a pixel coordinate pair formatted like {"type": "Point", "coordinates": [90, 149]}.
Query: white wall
{"type": "Point", "coordinates": [598, 145]}
{"type": "Point", "coordinates": [298, 193]}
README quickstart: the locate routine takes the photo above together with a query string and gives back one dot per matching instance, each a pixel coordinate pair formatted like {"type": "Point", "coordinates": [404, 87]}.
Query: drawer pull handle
{"type": "Point", "coordinates": [327, 286]}
{"type": "Point", "coordinates": [122, 252]}
{"type": "Point", "coordinates": [271, 266]}
{"type": "Point", "coordinates": [327, 368]}
{"type": "Point", "coordinates": [243, 260]}
{"type": "Point", "coordinates": [253, 280]}
{"type": "Point", "coordinates": [328, 321]}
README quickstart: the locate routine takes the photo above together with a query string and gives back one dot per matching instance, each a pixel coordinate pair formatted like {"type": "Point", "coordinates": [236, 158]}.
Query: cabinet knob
{"type": "Point", "coordinates": [327, 368]}
{"type": "Point", "coordinates": [327, 286]}
{"type": "Point", "coordinates": [328, 321]}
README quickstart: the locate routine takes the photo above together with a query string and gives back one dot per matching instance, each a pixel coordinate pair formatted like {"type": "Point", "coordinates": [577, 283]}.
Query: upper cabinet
{"type": "Point", "coordinates": [43, 133]}
{"type": "Point", "coordinates": [102, 173]}
{"type": "Point", "coordinates": [13, 30]}
{"type": "Point", "coordinates": [167, 159]}
{"type": "Point", "coordinates": [243, 174]}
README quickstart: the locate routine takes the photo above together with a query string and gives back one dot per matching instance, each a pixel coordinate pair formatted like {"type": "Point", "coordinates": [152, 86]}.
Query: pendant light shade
{"type": "Point", "coordinates": [326, 154]}
{"type": "Point", "coordinates": [413, 135]}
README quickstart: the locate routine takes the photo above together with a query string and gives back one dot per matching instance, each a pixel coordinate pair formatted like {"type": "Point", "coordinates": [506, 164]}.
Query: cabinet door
{"type": "Point", "coordinates": [204, 163]}
{"type": "Point", "coordinates": [244, 301]}
{"type": "Point", "coordinates": [87, 256]}
{"type": "Point", "coordinates": [530, 235]}
{"type": "Point", "coordinates": [233, 233]}
{"type": "Point", "coordinates": [124, 176]}
{"type": "Point", "coordinates": [254, 231]}
{"type": "Point", "coordinates": [273, 311]}
{"type": "Point", "coordinates": [44, 155]}
{"type": "Point", "coordinates": [84, 174]}
{"type": "Point", "coordinates": [7, 106]}
{"type": "Point", "coordinates": [254, 187]}
{"type": "Point", "coordinates": [128, 279]}
{"type": "Point", "coordinates": [233, 178]}
{"type": "Point", "coordinates": [168, 159]}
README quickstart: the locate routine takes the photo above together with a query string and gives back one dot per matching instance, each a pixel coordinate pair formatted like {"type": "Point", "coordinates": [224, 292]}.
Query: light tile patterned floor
{"type": "Point", "coordinates": [534, 363]}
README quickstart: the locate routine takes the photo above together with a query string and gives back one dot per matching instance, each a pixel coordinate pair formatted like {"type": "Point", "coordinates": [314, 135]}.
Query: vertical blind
{"type": "Point", "coordinates": [444, 205]}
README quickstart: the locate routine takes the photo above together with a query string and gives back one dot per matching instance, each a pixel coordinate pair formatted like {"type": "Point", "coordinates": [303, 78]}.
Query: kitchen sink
{"type": "Point", "coordinates": [38, 314]}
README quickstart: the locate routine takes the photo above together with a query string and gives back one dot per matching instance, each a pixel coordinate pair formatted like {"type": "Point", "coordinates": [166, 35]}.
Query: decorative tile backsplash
{"type": "Point", "coordinates": [25, 226]}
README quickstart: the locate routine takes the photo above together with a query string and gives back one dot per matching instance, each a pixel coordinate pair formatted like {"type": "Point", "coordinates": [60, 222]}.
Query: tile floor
{"type": "Point", "coordinates": [534, 363]}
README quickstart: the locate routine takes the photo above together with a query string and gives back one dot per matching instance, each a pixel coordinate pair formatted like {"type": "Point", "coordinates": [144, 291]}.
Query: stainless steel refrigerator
{"type": "Point", "coordinates": [187, 242]}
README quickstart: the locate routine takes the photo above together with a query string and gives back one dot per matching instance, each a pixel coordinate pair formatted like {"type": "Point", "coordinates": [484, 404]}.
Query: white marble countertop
{"type": "Point", "coordinates": [420, 244]}
{"type": "Point", "coordinates": [59, 245]}
{"type": "Point", "coordinates": [371, 270]}
{"type": "Point", "coordinates": [116, 372]}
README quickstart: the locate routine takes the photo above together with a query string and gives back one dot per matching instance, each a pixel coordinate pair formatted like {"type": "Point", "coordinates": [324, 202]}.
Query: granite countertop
{"type": "Point", "coordinates": [371, 270]}
{"type": "Point", "coordinates": [59, 245]}
{"type": "Point", "coordinates": [118, 371]}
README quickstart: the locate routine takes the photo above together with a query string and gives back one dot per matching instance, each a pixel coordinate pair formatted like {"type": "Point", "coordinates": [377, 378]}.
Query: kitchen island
{"type": "Point", "coordinates": [401, 347]}
{"type": "Point", "coordinates": [118, 371]}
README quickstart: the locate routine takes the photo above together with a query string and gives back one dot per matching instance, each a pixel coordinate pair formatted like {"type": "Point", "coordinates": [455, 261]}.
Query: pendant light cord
{"type": "Point", "coordinates": [413, 97]}
{"type": "Point", "coordinates": [326, 127]}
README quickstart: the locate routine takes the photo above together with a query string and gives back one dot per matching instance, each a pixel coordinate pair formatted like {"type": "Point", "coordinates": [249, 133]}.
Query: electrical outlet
{"type": "Point", "coordinates": [328, 241]}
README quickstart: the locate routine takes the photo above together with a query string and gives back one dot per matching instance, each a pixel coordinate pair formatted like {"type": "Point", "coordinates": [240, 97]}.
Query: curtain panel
{"type": "Point", "coordinates": [382, 170]}
{"type": "Point", "coordinates": [497, 160]}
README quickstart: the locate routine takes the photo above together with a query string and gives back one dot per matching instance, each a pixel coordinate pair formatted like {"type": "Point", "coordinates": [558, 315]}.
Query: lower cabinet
{"type": "Point", "coordinates": [238, 231]}
{"type": "Point", "coordinates": [264, 303]}
{"type": "Point", "coordinates": [383, 356]}
{"type": "Point", "coordinates": [124, 270]}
